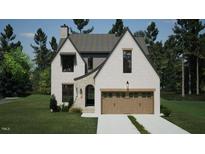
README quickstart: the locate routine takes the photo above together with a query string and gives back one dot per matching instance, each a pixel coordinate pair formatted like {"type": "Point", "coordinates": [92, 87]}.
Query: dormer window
{"type": "Point", "coordinates": [127, 61]}
{"type": "Point", "coordinates": [90, 63]}
{"type": "Point", "coordinates": [67, 62]}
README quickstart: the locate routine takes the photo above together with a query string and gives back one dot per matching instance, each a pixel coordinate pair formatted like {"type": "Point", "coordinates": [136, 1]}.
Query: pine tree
{"type": "Point", "coordinates": [81, 24]}
{"type": "Point", "coordinates": [53, 44]}
{"type": "Point", "coordinates": [151, 33]}
{"type": "Point", "coordinates": [7, 41]}
{"type": "Point", "coordinates": [187, 32]}
{"type": "Point", "coordinates": [41, 52]}
{"type": "Point", "coordinates": [117, 28]}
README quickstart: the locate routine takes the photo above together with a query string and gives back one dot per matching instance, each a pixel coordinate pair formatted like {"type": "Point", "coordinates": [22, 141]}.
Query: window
{"type": "Point", "coordinates": [67, 93]}
{"type": "Point", "coordinates": [127, 61]}
{"type": "Point", "coordinates": [90, 63]}
{"type": "Point", "coordinates": [67, 63]}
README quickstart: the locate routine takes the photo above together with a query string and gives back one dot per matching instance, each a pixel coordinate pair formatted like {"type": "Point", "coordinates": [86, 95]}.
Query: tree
{"type": "Point", "coordinates": [45, 81]}
{"type": "Point", "coordinates": [187, 32]}
{"type": "Point", "coordinates": [7, 40]}
{"type": "Point", "coordinates": [151, 33]}
{"type": "Point", "coordinates": [81, 23]}
{"type": "Point", "coordinates": [171, 74]}
{"type": "Point", "coordinates": [139, 33]}
{"type": "Point", "coordinates": [117, 28]}
{"type": "Point", "coordinates": [53, 44]}
{"type": "Point", "coordinates": [155, 48]}
{"type": "Point", "coordinates": [42, 54]}
{"type": "Point", "coordinates": [15, 73]}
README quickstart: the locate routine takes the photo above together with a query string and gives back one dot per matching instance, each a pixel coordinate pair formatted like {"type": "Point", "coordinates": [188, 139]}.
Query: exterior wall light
{"type": "Point", "coordinates": [127, 85]}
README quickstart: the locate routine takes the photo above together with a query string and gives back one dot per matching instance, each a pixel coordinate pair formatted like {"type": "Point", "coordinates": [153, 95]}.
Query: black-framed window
{"type": "Point", "coordinates": [67, 93]}
{"type": "Point", "coordinates": [127, 61]}
{"type": "Point", "coordinates": [67, 62]}
{"type": "Point", "coordinates": [90, 63]}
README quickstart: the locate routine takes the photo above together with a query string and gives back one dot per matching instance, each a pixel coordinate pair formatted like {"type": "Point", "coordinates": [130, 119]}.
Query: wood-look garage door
{"type": "Point", "coordinates": [123, 102]}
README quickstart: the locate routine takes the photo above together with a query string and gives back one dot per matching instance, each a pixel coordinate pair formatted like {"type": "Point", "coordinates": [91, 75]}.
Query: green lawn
{"type": "Point", "coordinates": [31, 115]}
{"type": "Point", "coordinates": [188, 114]}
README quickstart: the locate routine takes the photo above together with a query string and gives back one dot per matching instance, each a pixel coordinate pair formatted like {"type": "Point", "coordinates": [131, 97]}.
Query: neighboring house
{"type": "Point", "coordinates": [105, 74]}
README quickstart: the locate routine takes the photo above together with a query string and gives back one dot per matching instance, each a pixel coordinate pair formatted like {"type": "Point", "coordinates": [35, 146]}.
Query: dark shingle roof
{"type": "Point", "coordinates": [98, 43]}
{"type": "Point", "coordinates": [93, 43]}
{"type": "Point", "coordinates": [143, 45]}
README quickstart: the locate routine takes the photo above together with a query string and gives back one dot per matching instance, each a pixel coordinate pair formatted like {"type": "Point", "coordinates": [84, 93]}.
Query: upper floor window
{"type": "Point", "coordinates": [90, 63]}
{"type": "Point", "coordinates": [127, 61]}
{"type": "Point", "coordinates": [67, 62]}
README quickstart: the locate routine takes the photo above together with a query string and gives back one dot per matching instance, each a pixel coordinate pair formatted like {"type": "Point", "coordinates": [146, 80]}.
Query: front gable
{"type": "Point", "coordinates": [69, 48]}
{"type": "Point", "coordinates": [143, 74]}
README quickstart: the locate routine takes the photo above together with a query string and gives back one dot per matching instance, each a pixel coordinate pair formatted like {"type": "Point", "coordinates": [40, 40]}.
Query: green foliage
{"type": "Point", "coordinates": [41, 80]}
{"type": "Point", "coordinates": [187, 33]}
{"type": "Point", "coordinates": [165, 110]}
{"type": "Point", "coordinates": [15, 73]}
{"type": "Point", "coordinates": [151, 33]}
{"type": "Point", "coordinates": [81, 23]}
{"type": "Point", "coordinates": [7, 38]}
{"type": "Point", "coordinates": [117, 28]}
{"type": "Point", "coordinates": [139, 127]}
{"type": "Point", "coordinates": [42, 55]}
{"type": "Point", "coordinates": [53, 44]}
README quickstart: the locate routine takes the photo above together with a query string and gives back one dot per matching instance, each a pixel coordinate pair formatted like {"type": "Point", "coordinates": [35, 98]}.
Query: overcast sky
{"type": "Point", "coordinates": [25, 29]}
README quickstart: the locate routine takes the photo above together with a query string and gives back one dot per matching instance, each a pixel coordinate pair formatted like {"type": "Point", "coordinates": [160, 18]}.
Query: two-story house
{"type": "Point", "coordinates": [105, 74]}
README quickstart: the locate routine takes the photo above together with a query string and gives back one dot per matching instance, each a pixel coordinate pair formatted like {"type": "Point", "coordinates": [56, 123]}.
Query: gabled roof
{"type": "Point", "coordinates": [94, 43]}
{"type": "Point", "coordinates": [138, 43]}
{"type": "Point", "coordinates": [97, 43]}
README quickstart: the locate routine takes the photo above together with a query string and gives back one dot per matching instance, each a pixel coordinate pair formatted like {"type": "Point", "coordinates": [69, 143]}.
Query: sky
{"type": "Point", "coordinates": [26, 28]}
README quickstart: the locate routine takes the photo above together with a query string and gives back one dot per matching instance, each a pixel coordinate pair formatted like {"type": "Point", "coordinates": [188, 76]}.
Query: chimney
{"type": "Point", "coordinates": [64, 31]}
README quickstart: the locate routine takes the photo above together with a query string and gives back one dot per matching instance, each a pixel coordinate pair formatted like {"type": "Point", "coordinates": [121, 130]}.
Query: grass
{"type": "Point", "coordinates": [139, 127]}
{"type": "Point", "coordinates": [174, 96]}
{"type": "Point", "coordinates": [31, 115]}
{"type": "Point", "coordinates": [187, 114]}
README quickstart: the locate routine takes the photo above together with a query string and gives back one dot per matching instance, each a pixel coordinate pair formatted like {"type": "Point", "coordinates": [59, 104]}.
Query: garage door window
{"type": "Point", "coordinates": [131, 95]}
{"type": "Point", "coordinates": [104, 94]}
{"type": "Point", "coordinates": [110, 95]}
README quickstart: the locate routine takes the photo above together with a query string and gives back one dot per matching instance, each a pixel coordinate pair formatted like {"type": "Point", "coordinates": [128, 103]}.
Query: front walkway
{"type": "Point", "coordinates": [158, 125]}
{"type": "Point", "coordinates": [115, 124]}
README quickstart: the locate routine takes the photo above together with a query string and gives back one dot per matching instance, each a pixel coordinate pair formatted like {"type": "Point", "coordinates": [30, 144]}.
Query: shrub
{"type": "Point", "coordinates": [53, 104]}
{"type": "Point", "coordinates": [165, 110]}
{"type": "Point", "coordinates": [65, 107]}
{"type": "Point", "coordinates": [76, 110]}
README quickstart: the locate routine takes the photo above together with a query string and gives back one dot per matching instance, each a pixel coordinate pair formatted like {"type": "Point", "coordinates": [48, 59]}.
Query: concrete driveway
{"type": "Point", "coordinates": [120, 124]}
{"type": "Point", "coordinates": [115, 124]}
{"type": "Point", "coordinates": [159, 125]}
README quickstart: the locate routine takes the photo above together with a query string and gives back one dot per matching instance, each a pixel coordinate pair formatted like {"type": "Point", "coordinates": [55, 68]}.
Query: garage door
{"type": "Point", "coordinates": [123, 102]}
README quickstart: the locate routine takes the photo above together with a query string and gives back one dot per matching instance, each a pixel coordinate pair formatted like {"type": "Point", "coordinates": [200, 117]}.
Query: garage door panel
{"type": "Point", "coordinates": [127, 103]}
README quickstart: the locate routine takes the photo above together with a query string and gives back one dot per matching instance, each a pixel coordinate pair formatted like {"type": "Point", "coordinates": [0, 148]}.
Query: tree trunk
{"type": "Point", "coordinates": [197, 76]}
{"type": "Point", "coordinates": [189, 79]}
{"type": "Point", "coordinates": [183, 93]}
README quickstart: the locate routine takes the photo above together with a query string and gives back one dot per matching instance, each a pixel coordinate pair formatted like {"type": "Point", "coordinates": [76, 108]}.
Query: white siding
{"type": "Point", "coordinates": [142, 76]}
{"type": "Point", "coordinates": [58, 77]}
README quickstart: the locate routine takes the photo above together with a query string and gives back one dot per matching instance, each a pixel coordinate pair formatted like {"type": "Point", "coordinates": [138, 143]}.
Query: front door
{"type": "Point", "coordinates": [89, 95]}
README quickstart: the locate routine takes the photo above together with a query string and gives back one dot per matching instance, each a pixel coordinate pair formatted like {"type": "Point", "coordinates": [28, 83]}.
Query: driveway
{"type": "Point", "coordinates": [159, 125]}
{"type": "Point", "coordinates": [115, 124]}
